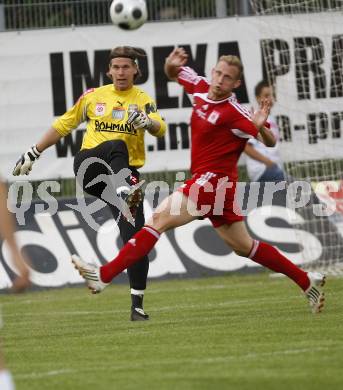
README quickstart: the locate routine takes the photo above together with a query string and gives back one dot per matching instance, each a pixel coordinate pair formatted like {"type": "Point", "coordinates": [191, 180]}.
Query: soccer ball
{"type": "Point", "coordinates": [128, 14]}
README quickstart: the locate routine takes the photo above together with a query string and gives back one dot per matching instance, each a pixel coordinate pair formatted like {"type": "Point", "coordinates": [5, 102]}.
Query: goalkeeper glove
{"type": "Point", "coordinates": [140, 120]}
{"type": "Point", "coordinates": [24, 164]}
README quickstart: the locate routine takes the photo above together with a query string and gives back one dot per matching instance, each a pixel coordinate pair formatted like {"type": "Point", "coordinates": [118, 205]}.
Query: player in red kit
{"type": "Point", "coordinates": [220, 128]}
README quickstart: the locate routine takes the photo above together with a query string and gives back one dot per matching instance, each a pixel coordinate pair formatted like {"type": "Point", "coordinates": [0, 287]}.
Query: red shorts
{"type": "Point", "coordinates": [214, 196]}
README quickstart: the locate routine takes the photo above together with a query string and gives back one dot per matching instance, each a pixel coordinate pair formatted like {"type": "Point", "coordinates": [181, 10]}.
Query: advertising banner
{"type": "Point", "coordinates": [51, 231]}
{"type": "Point", "coordinates": [43, 73]}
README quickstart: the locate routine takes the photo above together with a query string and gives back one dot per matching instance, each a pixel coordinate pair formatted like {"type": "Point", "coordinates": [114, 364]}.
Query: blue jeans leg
{"type": "Point", "coordinates": [274, 173]}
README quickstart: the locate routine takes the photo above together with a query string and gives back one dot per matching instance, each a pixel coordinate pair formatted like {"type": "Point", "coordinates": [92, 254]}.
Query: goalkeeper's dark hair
{"type": "Point", "coordinates": [134, 53]}
{"type": "Point", "coordinates": [260, 85]}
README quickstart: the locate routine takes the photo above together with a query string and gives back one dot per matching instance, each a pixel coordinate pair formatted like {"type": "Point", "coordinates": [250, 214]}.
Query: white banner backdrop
{"type": "Point", "coordinates": [193, 250]}
{"type": "Point", "coordinates": [43, 72]}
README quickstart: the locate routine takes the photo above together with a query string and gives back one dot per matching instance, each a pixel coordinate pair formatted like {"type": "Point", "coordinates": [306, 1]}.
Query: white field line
{"type": "Point", "coordinates": [38, 375]}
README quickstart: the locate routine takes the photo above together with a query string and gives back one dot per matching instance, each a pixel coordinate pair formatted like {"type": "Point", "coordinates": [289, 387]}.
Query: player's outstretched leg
{"type": "Point", "coordinates": [314, 293]}
{"type": "Point", "coordinates": [238, 238]}
{"type": "Point", "coordinates": [90, 273]}
{"type": "Point", "coordinates": [310, 282]}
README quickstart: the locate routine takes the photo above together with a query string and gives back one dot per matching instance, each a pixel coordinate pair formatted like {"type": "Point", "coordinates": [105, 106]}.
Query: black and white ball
{"type": "Point", "coordinates": [128, 14]}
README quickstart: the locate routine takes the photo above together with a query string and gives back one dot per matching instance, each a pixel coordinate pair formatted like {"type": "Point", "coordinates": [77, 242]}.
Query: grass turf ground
{"type": "Point", "coordinates": [235, 332]}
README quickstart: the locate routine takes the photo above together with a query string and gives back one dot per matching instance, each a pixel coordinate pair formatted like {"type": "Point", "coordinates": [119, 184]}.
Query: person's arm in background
{"type": "Point", "coordinates": [256, 155]}
{"type": "Point", "coordinates": [7, 233]}
{"type": "Point", "coordinates": [266, 136]}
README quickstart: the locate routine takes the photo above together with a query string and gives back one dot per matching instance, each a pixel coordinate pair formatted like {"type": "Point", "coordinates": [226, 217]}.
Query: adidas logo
{"type": "Point", "coordinates": [132, 241]}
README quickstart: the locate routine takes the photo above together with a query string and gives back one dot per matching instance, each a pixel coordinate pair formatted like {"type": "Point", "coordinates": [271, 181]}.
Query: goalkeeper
{"type": "Point", "coordinates": [117, 116]}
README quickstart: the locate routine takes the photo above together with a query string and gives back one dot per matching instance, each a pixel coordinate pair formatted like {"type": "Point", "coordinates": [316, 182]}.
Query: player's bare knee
{"type": "Point", "coordinates": [159, 221]}
{"type": "Point", "coordinates": [241, 249]}
{"type": "Point", "coordinates": [241, 253]}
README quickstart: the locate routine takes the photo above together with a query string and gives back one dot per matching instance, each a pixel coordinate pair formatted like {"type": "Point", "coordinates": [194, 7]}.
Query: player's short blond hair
{"type": "Point", "coordinates": [234, 61]}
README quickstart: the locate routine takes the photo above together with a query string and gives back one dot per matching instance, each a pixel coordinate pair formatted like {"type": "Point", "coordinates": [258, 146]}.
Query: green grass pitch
{"type": "Point", "coordinates": [234, 332]}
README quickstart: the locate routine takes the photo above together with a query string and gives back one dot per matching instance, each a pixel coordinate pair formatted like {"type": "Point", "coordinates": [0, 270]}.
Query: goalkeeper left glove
{"type": "Point", "coordinates": [140, 120]}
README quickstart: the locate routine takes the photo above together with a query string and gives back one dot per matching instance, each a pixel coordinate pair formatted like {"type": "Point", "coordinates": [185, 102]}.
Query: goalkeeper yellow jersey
{"type": "Point", "coordinates": [106, 111]}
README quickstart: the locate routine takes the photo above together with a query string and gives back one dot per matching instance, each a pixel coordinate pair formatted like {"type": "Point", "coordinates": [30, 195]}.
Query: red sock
{"type": "Point", "coordinates": [270, 257]}
{"type": "Point", "coordinates": [137, 247]}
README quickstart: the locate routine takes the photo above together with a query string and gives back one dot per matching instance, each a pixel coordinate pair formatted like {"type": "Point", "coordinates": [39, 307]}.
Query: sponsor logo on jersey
{"type": "Point", "coordinates": [213, 117]}
{"type": "Point", "coordinates": [132, 241]}
{"type": "Point", "coordinates": [118, 113]}
{"type": "Point", "coordinates": [100, 109]}
{"type": "Point", "coordinates": [132, 107]}
{"type": "Point", "coordinates": [200, 113]}
{"type": "Point", "coordinates": [115, 127]}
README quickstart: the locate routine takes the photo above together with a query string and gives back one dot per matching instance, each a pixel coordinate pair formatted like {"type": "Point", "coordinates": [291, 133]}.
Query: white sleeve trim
{"type": "Point", "coordinates": [241, 134]}
{"type": "Point", "coordinates": [242, 110]}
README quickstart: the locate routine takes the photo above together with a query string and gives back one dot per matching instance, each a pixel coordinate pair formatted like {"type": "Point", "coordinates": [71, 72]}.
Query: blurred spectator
{"type": "Point", "coordinates": [169, 13]}
{"type": "Point", "coordinates": [264, 163]}
{"type": "Point", "coordinates": [21, 282]}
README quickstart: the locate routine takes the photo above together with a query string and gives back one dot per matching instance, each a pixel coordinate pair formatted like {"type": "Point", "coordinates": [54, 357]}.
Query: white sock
{"type": "Point", "coordinates": [137, 292]}
{"type": "Point", "coordinates": [6, 381]}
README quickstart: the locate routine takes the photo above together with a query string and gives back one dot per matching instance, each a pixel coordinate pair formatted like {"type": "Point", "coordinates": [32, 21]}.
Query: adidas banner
{"type": "Point", "coordinates": [51, 231]}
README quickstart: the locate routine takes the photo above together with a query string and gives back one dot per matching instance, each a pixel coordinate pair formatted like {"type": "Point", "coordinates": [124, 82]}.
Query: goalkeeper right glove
{"type": "Point", "coordinates": [140, 120]}
{"type": "Point", "coordinates": [24, 164]}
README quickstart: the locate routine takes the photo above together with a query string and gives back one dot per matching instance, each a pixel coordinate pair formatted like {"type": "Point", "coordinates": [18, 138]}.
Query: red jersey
{"type": "Point", "coordinates": [219, 129]}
